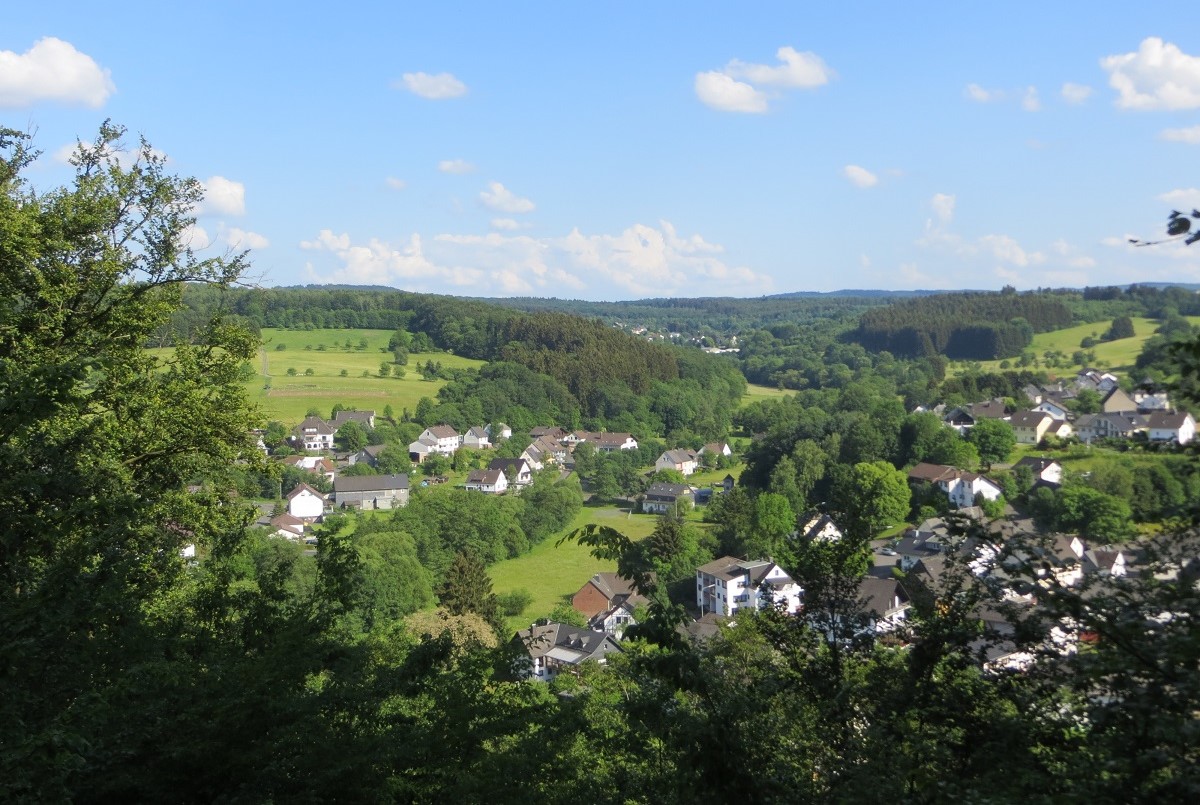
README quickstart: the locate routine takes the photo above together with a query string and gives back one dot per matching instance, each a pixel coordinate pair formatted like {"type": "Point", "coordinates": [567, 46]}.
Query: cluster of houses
{"type": "Point", "coordinates": [1146, 412]}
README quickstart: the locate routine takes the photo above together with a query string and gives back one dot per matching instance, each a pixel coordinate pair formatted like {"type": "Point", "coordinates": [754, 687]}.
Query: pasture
{"type": "Point", "coordinates": [552, 574]}
{"type": "Point", "coordinates": [345, 369]}
{"type": "Point", "coordinates": [1118, 355]}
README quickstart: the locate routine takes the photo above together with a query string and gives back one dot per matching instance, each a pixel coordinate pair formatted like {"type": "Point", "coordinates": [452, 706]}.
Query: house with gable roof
{"type": "Point", "coordinates": [607, 600]}
{"type": "Point", "coordinates": [555, 648]}
{"type": "Point", "coordinates": [1030, 426]}
{"type": "Point", "coordinates": [443, 438]}
{"type": "Point", "coordinates": [681, 459]}
{"type": "Point", "coordinates": [517, 470]}
{"type": "Point", "coordinates": [960, 486]}
{"type": "Point", "coordinates": [364, 418]}
{"type": "Point", "coordinates": [491, 482]}
{"type": "Point", "coordinates": [1174, 426]}
{"type": "Point", "coordinates": [314, 433]}
{"type": "Point", "coordinates": [728, 584]}
{"type": "Point", "coordinates": [476, 437]}
{"type": "Point", "coordinates": [305, 503]}
{"type": "Point", "coordinates": [662, 498]}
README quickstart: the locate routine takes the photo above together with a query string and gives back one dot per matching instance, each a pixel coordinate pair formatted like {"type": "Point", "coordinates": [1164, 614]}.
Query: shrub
{"type": "Point", "coordinates": [514, 603]}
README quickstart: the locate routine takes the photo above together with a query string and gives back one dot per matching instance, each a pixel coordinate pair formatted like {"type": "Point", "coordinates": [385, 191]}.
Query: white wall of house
{"type": "Point", "coordinates": [306, 505]}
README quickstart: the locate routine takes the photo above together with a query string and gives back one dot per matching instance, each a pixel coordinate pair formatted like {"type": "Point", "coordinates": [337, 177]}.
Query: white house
{"type": "Point", "coordinates": [960, 486]}
{"type": "Point", "coordinates": [305, 502]}
{"type": "Point", "coordinates": [681, 459]}
{"type": "Point", "coordinates": [314, 433]}
{"type": "Point", "coordinates": [716, 449]}
{"type": "Point", "coordinates": [497, 431]}
{"type": "Point", "coordinates": [364, 418]}
{"type": "Point", "coordinates": [476, 437]}
{"type": "Point", "coordinates": [1177, 427]}
{"type": "Point", "coordinates": [604, 442]}
{"type": "Point", "coordinates": [443, 439]}
{"type": "Point", "coordinates": [517, 470]}
{"type": "Point", "coordinates": [661, 498]}
{"type": "Point", "coordinates": [1046, 470]}
{"type": "Point", "coordinates": [1056, 411]}
{"type": "Point", "coordinates": [492, 482]}
{"type": "Point", "coordinates": [727, 584]}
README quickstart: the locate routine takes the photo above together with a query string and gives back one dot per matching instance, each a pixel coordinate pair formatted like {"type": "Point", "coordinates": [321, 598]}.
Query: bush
{"type": "Point", "coordinates": [280, 347]}
{"type": "Point", "coordinates": [309, 372]}
{"type": "Point", "coordinates": [291, 371]}
{"type": "Point", "coordinates": [514, 603]}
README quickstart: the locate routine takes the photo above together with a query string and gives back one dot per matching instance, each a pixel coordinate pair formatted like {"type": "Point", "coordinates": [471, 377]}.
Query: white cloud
{"type": "Point", "coordinates": [1182, 198]}
{"type": "Point", "coordinates": [456, 166]}
{"type": "Point", "coordinates": [396, 184]}
{"type": "Point", "coordinates": [53, 70]}
{"type": "Point", "coordinates": [223, 196]}
{"type": "Point", "coordinates": [1075, 93]}
{"type": "Point", "coordinates": [241, 239]}
{"type": "Point", "coordinates": [1030, 101]}
{"type": "Point", "coordinates": [860, 176]}
{"type": "Point", "coordinates": [981, 95]}
{"type": "Point", "coordinates": [1191, 136]}
{"type": "Point", "coordinates": [1008, 250]}
{"type": "Point", "coordinates": [194, 237]}
{"type": "Point", "coordinates": [505, 223]}
{"type": "Point", "coordinates": [499, 198]}
{"type": "Point", "coordinates": [642, 260]}
{"type": "Point", "coordinates": [727, 94]}
{"type": "Point", "coordinates": [1158, 76]}
{"type": "Point", "coordinates": [797, 70]}
{"type": "Point", "coordinates": [943, 207]}
{"type": "Point", "coordinates": [737, 86]}
{"type": "Point", "coordinates": [435, 87]}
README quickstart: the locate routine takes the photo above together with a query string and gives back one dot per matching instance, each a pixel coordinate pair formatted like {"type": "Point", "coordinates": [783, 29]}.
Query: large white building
{"type": "Point", "coordinates": [727, 584]}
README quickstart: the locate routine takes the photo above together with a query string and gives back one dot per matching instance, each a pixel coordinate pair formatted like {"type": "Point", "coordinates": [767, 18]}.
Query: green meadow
{"type": "Point", "coordinates": [553, 573]}
{"type": "Point", "coordinates": [329, 353]}
{"type": "Point", "coordinates": [1118, 355]}
{"type": "Point", "coordinates": [755, 393]}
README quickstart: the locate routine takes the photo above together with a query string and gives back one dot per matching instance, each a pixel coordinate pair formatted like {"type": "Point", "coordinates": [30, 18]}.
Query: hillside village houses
{"type": "Point", "coordinates": [492, 482]}
{"type": "Point", "coordinates": [1122, 415]}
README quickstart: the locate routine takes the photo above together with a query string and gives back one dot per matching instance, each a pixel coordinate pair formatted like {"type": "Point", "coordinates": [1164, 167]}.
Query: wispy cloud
{"type": "Point", "coordinates": [499, 198]}
{"type": "Point", "coordinates": [456, 166]}
{"type": "Point", "coordinates": [860, 176]}
{"type": "Point", "coordinates": [437, 87]}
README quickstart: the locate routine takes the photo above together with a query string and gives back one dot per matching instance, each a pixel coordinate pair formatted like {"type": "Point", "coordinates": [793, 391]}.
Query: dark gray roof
{"type": "Point", "coordinates": [369, 483]}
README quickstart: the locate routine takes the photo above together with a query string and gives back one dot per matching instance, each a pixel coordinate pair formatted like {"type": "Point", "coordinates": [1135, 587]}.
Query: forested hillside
{"type": "Point", "coordinates": [612, 378]}
{"type": "Point", "coordinates": [961, 326]}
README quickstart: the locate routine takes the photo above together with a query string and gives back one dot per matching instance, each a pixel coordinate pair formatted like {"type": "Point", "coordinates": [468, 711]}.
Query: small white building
{"type": "Point", "coordinates": [491, 482]}
{"type": "Point", "coordinates": [476, 437]}
{"type": "Point", "coordinates": [727, 584]}
{"type": "Point", "coordinates": [305, 503]}
{"type": "Point", "coordinates": [1178, 427]}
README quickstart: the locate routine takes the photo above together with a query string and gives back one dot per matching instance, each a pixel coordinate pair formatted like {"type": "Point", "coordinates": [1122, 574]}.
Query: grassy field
{"type": "Point", "coordinates": [553, 574]}
{"type": "Point", "coordinates": [755, 393]}
{"type": "Point", "coordinates": [328, 353]}
{"type": "Point", "coordinates": [1117, 355]}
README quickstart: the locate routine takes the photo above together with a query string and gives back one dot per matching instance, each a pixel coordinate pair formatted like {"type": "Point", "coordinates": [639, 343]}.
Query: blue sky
{"type": "Point", "coordinates": [629, 150]}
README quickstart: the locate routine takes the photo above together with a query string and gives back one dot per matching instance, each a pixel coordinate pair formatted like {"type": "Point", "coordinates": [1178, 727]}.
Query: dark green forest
{"type": "Point", "coordinates": [256, 674]}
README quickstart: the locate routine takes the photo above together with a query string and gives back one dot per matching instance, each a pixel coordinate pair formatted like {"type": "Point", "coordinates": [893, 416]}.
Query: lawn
{"type": "Point", "coordinates": [552, 574]}
{"type": "Point", "coordinates": [328, 353]}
